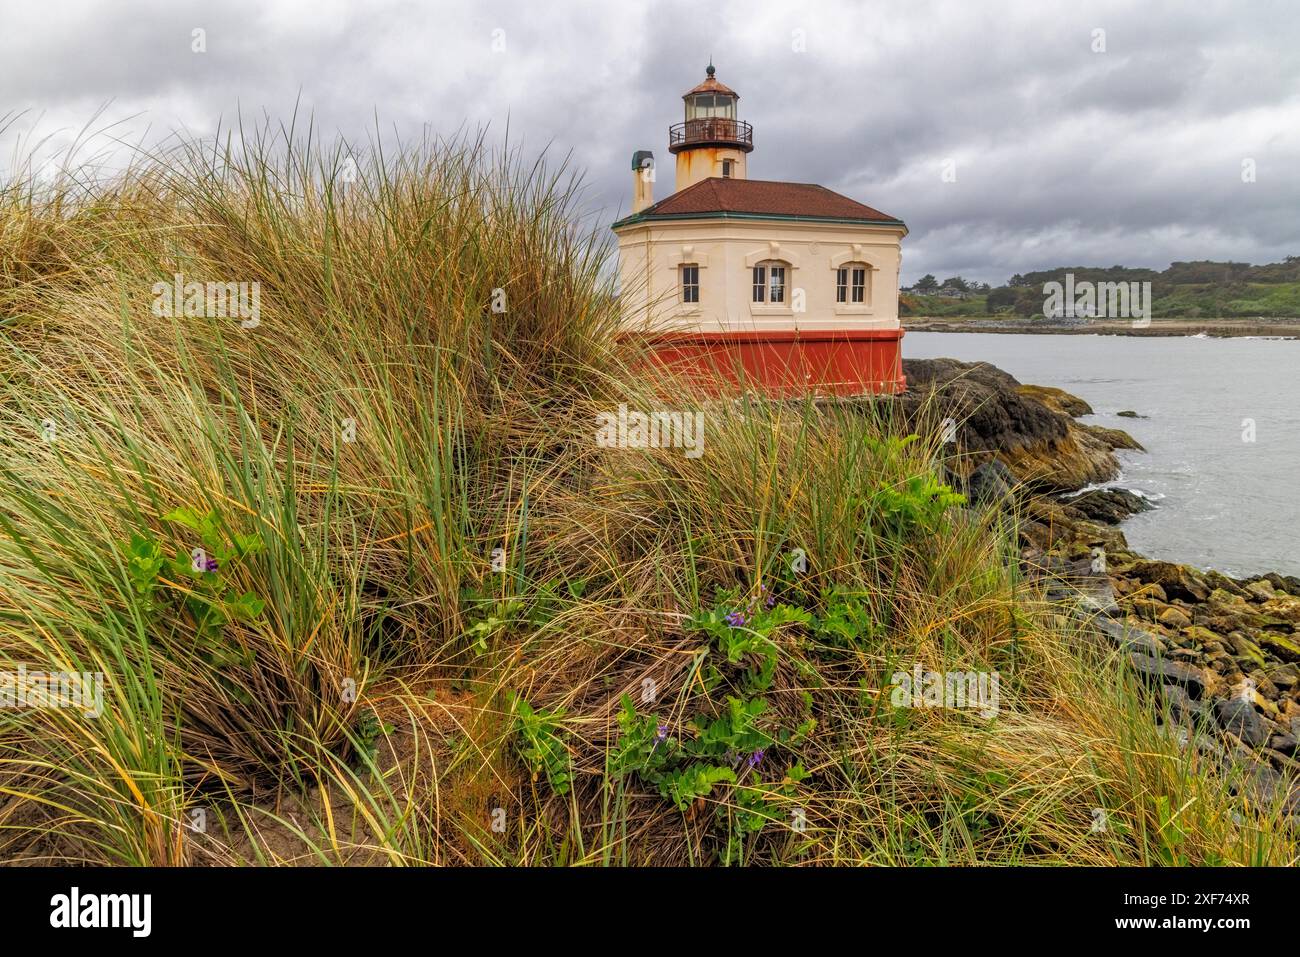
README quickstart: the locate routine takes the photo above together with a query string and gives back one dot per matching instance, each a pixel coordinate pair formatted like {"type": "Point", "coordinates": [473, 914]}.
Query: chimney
{"type": "Point", "coordinates": [643, 180]}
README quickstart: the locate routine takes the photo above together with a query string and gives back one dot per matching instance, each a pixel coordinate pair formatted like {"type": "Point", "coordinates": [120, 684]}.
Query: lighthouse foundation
{"type": "Point", "coordinates": [785, 364]}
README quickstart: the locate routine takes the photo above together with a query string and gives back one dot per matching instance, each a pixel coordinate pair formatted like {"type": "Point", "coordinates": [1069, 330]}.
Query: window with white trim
{"type": "Point", "coordinates": [851, 283]}
{"type": "Point", "coordinates": [691, 282]}
{"type": "Point", "coordinates": [769, 283]}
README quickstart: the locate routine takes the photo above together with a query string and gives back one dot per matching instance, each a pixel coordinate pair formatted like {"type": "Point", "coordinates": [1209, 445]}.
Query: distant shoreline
{"type": "Point", "coordinates": [1217, 328]}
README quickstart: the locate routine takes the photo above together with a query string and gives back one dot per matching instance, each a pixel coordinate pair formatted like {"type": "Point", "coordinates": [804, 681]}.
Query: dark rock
{"type": "Point", "coordinates": [1240, 717]}
{"type": "Point", "coordinates": [1245, 650]}
{"type": "Point", "coordinates": [1287, 649]}
{"type": "Point", "coordinates": [1287, 583]}
{"type": "Point", "coordinates": [990, 483]}
{"type": "Point", "coordinates": [1147, 608]}
{"type": "Point", "coordinates": [1181, 705]}
{"type": "Point", "coordinates": [1129, 414]}
{"type": "Point", "coordinates": [1283, 744]}
{"type": "Point", "coordinates": [1041, 445]}
{"type": "Point", "coordinates": [1219, 580]}
{"type": "Point", "coordinates": [1113, 438]}
{"type": "Point", "coordinates": [1108, 505]}
{"type": "Point", "coordinates": [1127, 638]}
{"type": "Point", "coordinates": [1285, 676]}
{"type": "Point", "coordinates": [1261, 590]}
{"type": "Point", "coordinates": [1057, 399]}
{"type": "Point", "coordinates": [1178, 581]}
{"type": "Point", "coordinates": [1157, 670]}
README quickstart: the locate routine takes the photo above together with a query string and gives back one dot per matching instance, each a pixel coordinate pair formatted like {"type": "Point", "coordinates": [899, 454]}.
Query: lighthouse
{"type": "Point", "coordinates": [782, 287]}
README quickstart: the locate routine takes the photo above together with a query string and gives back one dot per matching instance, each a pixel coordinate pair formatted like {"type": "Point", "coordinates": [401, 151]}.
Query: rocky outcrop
{"type": "Point", "coordinates": [1220, 655]}
{"type": "Point", "coordinates": [1027, 428]}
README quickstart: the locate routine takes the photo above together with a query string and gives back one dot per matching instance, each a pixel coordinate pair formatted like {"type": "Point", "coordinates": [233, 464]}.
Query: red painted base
{"type": "Point", "coordinates": [788, 364]}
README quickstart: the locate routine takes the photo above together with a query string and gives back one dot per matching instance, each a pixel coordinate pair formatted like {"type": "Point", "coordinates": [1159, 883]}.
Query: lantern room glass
{"type": "Point", "coordinates": [703, 106]}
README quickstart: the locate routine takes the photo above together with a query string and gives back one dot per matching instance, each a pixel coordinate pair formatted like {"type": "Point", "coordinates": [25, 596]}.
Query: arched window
{"type": "Point", "coordinates": [851, 284]}
{"type": "Point", "coordinates": [769, 282]}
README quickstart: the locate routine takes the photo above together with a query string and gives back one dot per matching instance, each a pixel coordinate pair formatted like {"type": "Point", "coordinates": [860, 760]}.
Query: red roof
{"type": "Point", "coordinates": [710, 85]}
{"type": "Point", "coordinates": [756, 197]}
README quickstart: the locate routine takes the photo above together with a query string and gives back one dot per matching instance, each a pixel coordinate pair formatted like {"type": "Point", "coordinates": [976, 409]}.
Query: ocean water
{"type": "Point", "coordinates": [1222, 433]}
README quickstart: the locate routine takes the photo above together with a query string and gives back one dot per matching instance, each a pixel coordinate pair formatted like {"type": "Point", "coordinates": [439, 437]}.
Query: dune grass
{"type": "Point", "coordinates": [432, 621]}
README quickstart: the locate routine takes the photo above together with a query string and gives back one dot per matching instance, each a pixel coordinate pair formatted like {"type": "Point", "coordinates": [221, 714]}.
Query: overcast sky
{"type": "Point", "coordinates": [1063, 154]}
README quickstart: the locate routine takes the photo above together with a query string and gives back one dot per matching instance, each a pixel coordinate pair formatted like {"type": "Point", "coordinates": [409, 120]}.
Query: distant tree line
{"type": "Point", "coordinates": [1197, 288]}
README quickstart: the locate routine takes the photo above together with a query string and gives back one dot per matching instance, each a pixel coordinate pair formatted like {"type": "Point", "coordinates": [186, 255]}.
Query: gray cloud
{"type": "Point", "coordinates": [1063, 155]}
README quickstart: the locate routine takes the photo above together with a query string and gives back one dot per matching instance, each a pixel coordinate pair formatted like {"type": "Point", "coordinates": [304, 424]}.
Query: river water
{"type": "Point", "coordinates": [1222, 433]}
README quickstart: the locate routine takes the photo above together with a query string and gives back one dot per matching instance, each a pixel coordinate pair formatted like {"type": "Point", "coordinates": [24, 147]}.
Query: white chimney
{"type": "Point", "coordinates": [643, 180]}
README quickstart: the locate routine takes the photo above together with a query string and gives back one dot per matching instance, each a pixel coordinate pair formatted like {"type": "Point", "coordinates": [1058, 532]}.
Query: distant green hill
{"type": "Point", "coordinates": [1187, 290]}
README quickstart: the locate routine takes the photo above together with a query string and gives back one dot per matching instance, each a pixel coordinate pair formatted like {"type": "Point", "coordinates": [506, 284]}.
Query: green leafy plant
{"type": "Point", "coordinates": [847, 620]}
{"type": "Point", "coordinates": [718, 752]}
{"type": "Point", "coordinates": [197, 582]}
{"type": "Point", "coordinates": [368, 729]}
{"type": "Point", "coordinates": [538, 743]}
{"type": "Point", "coordinates": [489, 616]}
{"type": "Point", "coordinates": [741, 632]}
{"type": "Point", "coordinates": [915, 505]}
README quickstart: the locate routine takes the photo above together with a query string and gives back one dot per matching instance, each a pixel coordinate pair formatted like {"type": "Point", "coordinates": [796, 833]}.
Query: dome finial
{"type": "Point", "coordinates": [710, 71]}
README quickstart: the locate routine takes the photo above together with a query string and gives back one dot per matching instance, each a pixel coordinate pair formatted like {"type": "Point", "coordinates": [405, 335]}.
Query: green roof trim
{"type": "Point", "coordinates": [636, 218]}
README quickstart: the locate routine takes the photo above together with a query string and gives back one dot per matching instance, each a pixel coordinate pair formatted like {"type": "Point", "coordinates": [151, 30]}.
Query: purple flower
{"type": "Point", "coordinates": [661, 735]}
{"type": "Point", "coordinates": [735, 619]}
{"type": "Point", "coordinates": [770, 603]}
{"type": "Point", "coordinates": [755, 758]}
{"type": "Point", "coordinates": [210, 565]}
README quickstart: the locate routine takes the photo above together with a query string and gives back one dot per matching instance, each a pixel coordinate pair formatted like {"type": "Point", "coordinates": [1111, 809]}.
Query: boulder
{"type": "Point", "coordinates": [990, 483]}
{"type": "Point", "coordinates": [996, 419]}
{"type": "Point", "coordinates": [1284, 583]}
{"type": "Point", "coordinates": [1239, 717]}
{"type": "Point", "coordinates": [1200, 636]}
{"type": "Point", "coordinates": [1219, 580]}
{"type": "Point", "coordinates": [1284, 608]}
{"type": "Point", "coordinates": [1147, 608]}
{"type": "Point", "coordinates": [1115, 438]}
{"type": "Point", "coordinates": [1285, 676]}
{"type": "Point", "coordinates": [1058, 400]}
{"type": "Point", "coordinates": [1158, 671]}
{"type": "Point", "coordinates": [1108, 505]}
{"type": "Point", "coordinates": [1126, 637]}
{"type": "Point", "coordinates": [1281, 647]}
{"type": "Point", "coordinates": [1178, 581]}
{"type": "Point", "coordinates": [1181, 705]}
{"type": "Point", "coordinates": [1261, 590]}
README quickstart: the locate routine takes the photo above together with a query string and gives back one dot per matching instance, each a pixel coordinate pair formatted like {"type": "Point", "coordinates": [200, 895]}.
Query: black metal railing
{"type": "Point", "coordinates": [708, 130]}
